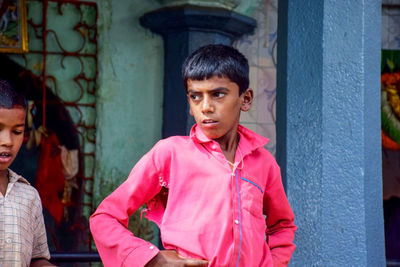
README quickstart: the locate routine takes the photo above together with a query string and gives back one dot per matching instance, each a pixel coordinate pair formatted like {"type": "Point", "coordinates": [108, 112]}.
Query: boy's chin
{"type": "Point", "coordinates": [213, 136]}
{"type": "Point", "coordinates": [209, 133]}
{"type": "Point", "coordinates": [5, 165]}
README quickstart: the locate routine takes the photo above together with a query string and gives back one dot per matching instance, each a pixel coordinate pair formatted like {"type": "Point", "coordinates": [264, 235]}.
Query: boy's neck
{"type": "Point", "coordinates": [229, 146]}
{"type": "Point", "coordinates": [3, 181]}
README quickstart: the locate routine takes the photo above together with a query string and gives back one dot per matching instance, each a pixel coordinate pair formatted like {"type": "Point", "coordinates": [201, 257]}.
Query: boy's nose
{"type": "Point", "coordinates": [5, 139]}
{"type": "Point", "coordinates": [207, 106]}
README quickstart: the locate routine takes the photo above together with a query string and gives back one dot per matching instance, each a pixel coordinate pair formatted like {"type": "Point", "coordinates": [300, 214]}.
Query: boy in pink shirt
{"type": "Point", "coordinates": [216, 195]}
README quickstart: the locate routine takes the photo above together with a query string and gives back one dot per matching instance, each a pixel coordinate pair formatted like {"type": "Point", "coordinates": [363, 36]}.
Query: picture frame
{"type": "Point", "coordinates": [13, 26]}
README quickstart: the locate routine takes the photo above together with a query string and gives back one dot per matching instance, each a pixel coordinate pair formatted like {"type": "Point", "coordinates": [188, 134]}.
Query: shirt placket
{"type": "Point", "coordinates": [216, 151]}
{"type": "Point", "coordinates": [236, 217]}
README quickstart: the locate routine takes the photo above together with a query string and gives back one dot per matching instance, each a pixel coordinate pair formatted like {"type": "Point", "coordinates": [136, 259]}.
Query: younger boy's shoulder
{"type": "Point", "coordinates": [21, 184]}
{"type": "Point", "coordinates": [16, 178]}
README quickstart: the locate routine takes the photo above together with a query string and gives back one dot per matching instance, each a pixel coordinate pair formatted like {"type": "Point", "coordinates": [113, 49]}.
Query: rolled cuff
{"type": "Point", "coordinates": [140, 256]}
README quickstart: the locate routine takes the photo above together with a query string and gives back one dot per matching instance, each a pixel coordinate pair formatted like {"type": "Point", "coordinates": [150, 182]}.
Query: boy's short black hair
{"type": "Point", "coordinates": [220, 60]}
{"type": "Point", "coordinates": [9, 96]}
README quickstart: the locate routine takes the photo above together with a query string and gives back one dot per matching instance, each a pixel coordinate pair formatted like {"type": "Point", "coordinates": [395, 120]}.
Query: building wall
{"type": "Point", "coordinates": [130, 87]}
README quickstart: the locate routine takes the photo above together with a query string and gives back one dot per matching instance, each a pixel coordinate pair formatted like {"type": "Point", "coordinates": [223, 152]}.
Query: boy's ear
{"type": "Point", "coordinates": [247, 97]}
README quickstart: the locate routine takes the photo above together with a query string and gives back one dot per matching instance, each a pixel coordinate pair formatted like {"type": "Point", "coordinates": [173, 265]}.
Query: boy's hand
{"type": "Point", "coordinates": [40, 263]}
{"type": "Point", "coordinates": [169, 258]}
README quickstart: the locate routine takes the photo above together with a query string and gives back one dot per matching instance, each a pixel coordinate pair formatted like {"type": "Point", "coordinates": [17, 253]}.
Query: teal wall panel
{"type": "Point", "coordinates": [129, 99]}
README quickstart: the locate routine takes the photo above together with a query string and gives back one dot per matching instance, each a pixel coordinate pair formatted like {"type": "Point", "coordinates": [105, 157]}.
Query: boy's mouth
{"type": "Point", "coordinates": [208, 121]}
{"type": "Point", "coordinates": [5, 156]}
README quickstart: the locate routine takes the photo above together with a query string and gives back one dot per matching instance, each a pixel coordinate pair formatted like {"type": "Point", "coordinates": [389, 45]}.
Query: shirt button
{"type": "Point", "coordinates": [151, 247]}
{"type": "Point", "coordinates": [8, 240]}
{"type": "Point", "coordinates": [236, 221]}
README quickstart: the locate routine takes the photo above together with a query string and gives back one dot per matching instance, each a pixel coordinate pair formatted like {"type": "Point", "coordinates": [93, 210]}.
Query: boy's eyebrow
{"type": "Point", "coordinates": [20, 125]}
{"type": "Point", "coordinates": [212, 90]}
{"type": "Point", "coordinates": [220, 89]}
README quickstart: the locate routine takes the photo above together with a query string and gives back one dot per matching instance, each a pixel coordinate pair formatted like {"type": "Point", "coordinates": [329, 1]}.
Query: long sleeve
{"type": "Point", "coordinates": [117, 246]}
{"type": "Point", "coordinates": [280, 219]}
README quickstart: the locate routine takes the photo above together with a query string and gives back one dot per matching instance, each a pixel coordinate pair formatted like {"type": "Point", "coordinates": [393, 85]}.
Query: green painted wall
{"type": "Point", "coordinates": [249, 7]}
{"type": "Point", "coordinates": [129, 96]}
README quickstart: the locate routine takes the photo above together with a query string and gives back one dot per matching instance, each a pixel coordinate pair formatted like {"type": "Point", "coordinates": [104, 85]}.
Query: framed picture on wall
{"type": "Point", "coordinates": [13, 26]}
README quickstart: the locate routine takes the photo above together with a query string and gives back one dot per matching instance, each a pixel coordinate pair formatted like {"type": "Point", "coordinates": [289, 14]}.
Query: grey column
{"type": "Point", "coordinates": [184, 29]}
{"type": "Point", "coordinates": [328, 129]}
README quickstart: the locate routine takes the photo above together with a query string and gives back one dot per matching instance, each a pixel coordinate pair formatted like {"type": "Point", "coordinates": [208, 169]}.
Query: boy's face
{"type": "Point", "coordinates": [215, 104]}
{"type": "Point", "coordinates": [12, 126]}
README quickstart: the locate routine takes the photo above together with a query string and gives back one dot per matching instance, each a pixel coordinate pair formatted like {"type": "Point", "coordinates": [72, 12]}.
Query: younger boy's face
{"type": "Point", "coordinates": [12, 126]}
{"type": "Point", "coordinates": [215, 104]}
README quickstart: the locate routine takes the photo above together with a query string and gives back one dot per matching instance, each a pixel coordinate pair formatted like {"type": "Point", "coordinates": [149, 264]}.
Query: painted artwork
{"type": "Point", "coordinates": [390, 122]}
{"type": "Point", "coordinates": [390, 99]}
{"type": "Point", "coordinates": [13, 26]}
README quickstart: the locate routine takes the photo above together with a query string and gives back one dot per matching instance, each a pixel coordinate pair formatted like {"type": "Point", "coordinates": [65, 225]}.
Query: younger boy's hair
{"type": "Point", "coordinates": [9, 96]}
{"type": "Point", "coordinates": [220, 60]}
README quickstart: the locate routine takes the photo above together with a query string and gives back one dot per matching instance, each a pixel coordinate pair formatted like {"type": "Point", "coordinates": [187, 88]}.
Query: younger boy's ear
{"type": "Point", "coordinates": [247, 97]}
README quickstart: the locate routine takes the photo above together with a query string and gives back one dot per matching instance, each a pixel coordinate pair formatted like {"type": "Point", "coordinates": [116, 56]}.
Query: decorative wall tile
{"type": "Point", "coordinates": [390, 27]}
{"type": "Point", "coordinates": [260, 50]}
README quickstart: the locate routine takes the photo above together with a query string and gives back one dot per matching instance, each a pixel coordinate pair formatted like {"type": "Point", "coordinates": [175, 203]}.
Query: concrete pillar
{"type": "Point", "coordinates": [185, 28]}
{"type": "Point", "coordinates": [328, 129]}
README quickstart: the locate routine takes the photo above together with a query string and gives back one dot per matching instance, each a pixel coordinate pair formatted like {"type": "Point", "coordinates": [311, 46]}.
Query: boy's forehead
{"type": "Point", "coordinates": [16, 107]}
{"type": "Point", "coordinates": [18, 110]}
{"type": "Point", "coordinates": [14, 117]}
{"type": "Point", "coordinates": [205, 78]}
{"type": "Point", "coordinates": [211, 83]}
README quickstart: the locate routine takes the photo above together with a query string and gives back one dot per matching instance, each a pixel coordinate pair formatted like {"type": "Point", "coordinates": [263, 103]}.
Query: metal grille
{"type": "Point", "coordinates": [63, 53]}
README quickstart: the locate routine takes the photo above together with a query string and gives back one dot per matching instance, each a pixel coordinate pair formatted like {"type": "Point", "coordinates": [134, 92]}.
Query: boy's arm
{"type": "Point", "coordinates": [40, 263]}
{"type": "Point", "coordinates": [117, 245]}
{"type": "Point", "coordinates": [280, 219]}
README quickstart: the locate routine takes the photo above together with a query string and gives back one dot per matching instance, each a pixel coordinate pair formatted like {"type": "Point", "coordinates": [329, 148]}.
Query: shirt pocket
{"type": "Point", "coordinates": [252, 203]}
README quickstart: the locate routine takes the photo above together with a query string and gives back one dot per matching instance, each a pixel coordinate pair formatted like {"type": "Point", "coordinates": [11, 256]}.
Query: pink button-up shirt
{"type": "Point", "coordinates": [229, 216]}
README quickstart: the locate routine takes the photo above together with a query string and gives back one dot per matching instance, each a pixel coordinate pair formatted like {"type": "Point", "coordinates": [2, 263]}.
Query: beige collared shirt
{"type": "Point", "coordinates": [22, 229]}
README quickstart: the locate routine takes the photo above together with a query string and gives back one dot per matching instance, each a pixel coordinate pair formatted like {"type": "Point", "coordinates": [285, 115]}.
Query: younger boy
{"type": "Point", "coordinates": [220, 181]}
{"type": "Point", "coordinates": [22, 232]}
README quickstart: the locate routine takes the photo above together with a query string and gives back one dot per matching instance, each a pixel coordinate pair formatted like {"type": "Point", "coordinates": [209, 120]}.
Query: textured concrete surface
{"type": "Point", "coordinates": [328, 129]}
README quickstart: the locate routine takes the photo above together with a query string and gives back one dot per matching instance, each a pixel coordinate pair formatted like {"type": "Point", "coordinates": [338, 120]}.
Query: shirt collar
{"type": "Point", "coordinates": [13, 178]}
{"type": "Point", "coordinates": [248, 142]}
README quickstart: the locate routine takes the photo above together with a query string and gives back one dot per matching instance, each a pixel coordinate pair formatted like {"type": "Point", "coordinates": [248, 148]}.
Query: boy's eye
{"type": "Point", "coordinates": [18, 132]}
{"type": "Point", "coordinates": [194, 97]}
{"type": "Point", "coordinates": [219, 94]}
